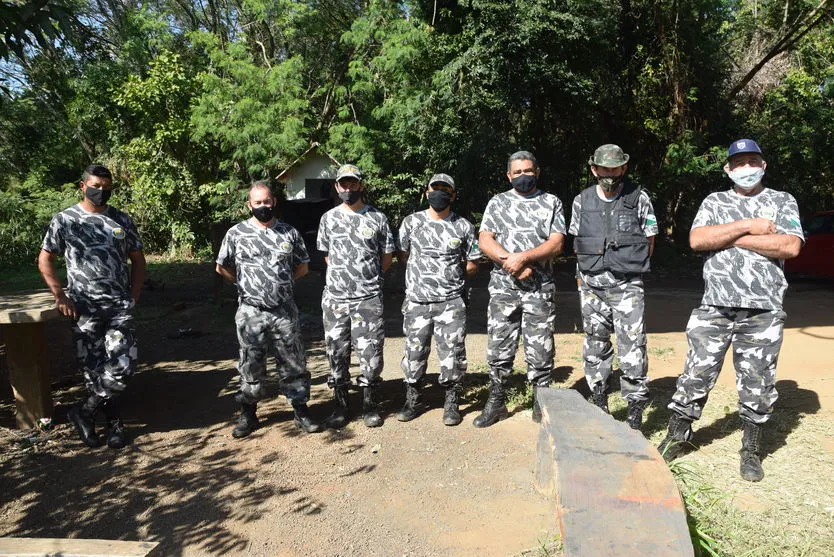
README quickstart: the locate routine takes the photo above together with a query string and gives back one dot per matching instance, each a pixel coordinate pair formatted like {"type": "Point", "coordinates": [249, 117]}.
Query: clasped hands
{"type": "Point", "coordinates": [517, 265]}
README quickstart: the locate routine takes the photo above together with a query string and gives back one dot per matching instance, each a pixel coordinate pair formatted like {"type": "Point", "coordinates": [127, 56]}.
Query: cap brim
{"type": "Point", "coordinates": [343, 176]}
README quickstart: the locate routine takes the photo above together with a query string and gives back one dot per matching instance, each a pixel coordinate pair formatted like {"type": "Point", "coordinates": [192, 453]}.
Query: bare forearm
{"type": "Point", "coordinates": [775, 246]}
{"type": "Point", "coordinates": [651, 245]}
{"type": "Point", "coordinates": [300, 271]}
{"type": "Point", "coordinates": [719, 236]}
{"type": "Point", "coordinates": [546, 251]}
{"type": "Point", "coordinates": [226, 273]}
{"type": "Point", "coordinates": [138, 269]}
{"type": "Point", "coordinates": [491, 248]}
{"type": "Point", "coordinates": [385, 261]}
{"type": "Point", "coordinates": [46, 266]}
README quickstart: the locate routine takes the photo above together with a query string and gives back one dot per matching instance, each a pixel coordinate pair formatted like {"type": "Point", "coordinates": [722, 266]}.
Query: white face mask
{"type": "Point", "coordinates": [746, 178]}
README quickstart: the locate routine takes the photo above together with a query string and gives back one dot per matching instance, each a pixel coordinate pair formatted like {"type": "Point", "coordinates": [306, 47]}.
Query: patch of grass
{"type": "Point", "coordinates": [661, 352]}
{"type": "Point", "coordinates": [790, 513]}
{"type": "Point", "coordinates": [549, 545]}
{"type": "Point", "coordinates": [26, 277]}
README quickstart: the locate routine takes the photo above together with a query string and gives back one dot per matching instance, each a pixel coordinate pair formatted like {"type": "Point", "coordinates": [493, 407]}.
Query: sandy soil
{"type": "Point", "coordinates": [416, 488]}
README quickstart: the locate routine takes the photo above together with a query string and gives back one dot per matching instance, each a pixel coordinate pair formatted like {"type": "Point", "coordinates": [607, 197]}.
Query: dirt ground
{"type": "Point", "coordinates": [416, 488]}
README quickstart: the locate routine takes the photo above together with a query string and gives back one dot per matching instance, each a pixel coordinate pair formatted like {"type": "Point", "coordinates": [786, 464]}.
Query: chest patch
{"type": "Point", "coordinates": [366, 233]}
{"type": "Point", "coordinates": [119, 233]}
{"type": "Point", "coordinates": [542, 213]}
{"type": "Point", "coordinates": [285, 247]}
{"type": "Point", "coordinates": [454, 243]}
{"type": "Point", "coordinates": [768, 213]}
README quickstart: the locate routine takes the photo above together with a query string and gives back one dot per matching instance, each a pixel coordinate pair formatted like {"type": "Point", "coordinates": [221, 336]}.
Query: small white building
{"type": "Point", "coordinates": [311, 176]}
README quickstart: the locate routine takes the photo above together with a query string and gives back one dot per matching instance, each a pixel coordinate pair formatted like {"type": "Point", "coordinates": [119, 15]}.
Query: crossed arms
{"type": "Point", "coordinates": [757, 235]}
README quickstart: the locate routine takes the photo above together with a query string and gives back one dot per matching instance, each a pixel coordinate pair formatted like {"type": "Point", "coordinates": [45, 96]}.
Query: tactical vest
{"type": "Point", "coordinates": [610, 237]}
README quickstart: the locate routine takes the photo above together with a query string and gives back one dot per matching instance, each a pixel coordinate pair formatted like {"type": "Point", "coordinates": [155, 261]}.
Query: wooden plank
{"type": "Point", "coordinates": [28, 307]}
{"type": "Point", "coordinates": [614, 493]}
{"type": "Point", "coordinates": [28, 372]}
{"type": "Point", "coordinates": [62, 547]}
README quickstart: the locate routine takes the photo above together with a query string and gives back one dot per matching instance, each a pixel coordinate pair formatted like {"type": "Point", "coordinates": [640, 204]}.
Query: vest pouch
{"type": "Point", "coordinates": [630, 255]}
{"type": "Point", "coordinates": [590, 253]}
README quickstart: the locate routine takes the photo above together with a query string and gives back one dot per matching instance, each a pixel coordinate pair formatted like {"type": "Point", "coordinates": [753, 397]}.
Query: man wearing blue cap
{"type": "Point", "coordinates": [747, 233]}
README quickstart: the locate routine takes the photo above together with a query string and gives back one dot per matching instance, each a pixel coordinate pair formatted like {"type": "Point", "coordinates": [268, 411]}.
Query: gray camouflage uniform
{"type": "Point", "coordinates": [352, 301]}
{"type": "Point", "coordinates": [95, 248]}
{"type": "Point", "coordinates": [613, 302]}
{"type": "Point", "coordinates": [522, 307]}
{"type": "Point", "coordinates": [434, 278]}
{"type": "Point", "coordinates": [742, 305]}
{"type": "Point", "coordinates": [264, 260]}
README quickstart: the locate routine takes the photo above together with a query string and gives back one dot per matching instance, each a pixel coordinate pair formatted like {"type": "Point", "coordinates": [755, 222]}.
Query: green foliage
{"type": "Point", "coordinates": [189, 102]}
{"type": "Point", "coordinates": [24, 214]}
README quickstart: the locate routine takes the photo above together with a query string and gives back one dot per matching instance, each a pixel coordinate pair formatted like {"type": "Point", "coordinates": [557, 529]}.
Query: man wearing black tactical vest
{"type": "Point", "coordinates": [614, 226]}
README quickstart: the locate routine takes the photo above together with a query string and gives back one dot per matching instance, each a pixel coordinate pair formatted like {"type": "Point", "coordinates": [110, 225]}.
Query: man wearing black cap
{"type": "Point", "coordinates": [439, 249]}
{"type": "Point", "coordinates": [360, 247]}
{"type": "Point", "coordinates": [747, 232]}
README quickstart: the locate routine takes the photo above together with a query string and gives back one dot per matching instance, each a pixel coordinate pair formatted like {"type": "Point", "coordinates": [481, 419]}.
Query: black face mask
{"type": "Point", "coordinates": [96, 196]}
{"type": "Point", "coordinates": [264, 213]}
{"type": "Point", "coordinates": [350, 197]}
{"type": "Point", "coordinates": [525, 183]}
{"type": "Point", "coordinates": [439, 200]}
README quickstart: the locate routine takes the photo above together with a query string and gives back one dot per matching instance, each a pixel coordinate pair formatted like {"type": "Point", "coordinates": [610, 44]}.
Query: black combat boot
{"type": "Point", "coordinates": [679, 434]}
{"type": "Point", "coordinates": [451, 413]}
{"type": "Point", "coordinates": [413, 406]}
{"type": "Point", "coordinates": [599, 397]}
{"type": "Point", "coordinates": [248, 421]}
{"type": "Point", "coordinates": [370, 412]}
{"type": "Point", "coordinates": [751, 452]}
{"type": "Point", "coordinates": [537, 409]}
{"type": "Point", "coordinates": [302, 418]}
{"type": "Point", "coordinates": [495, 409]}
{"type": "Point", "coordinates": [635, 413]}
{"type": "Point", "coordinates": [83, 417]}
{"type": "Point", "coordinates": [117, 435]}
{"type": "Point", "coordinates": [341, 414]}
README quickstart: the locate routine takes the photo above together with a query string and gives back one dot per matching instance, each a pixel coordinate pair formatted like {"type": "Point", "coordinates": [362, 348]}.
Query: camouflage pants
{"type": "Point", "coordinates": [756, 336]}
{"type": "Point", "coordinates": [257, 331]}
{"type": "Point", "coordinates": [618, 309]}
{"type": "Point", "coordinates": [360, 320]}
{"type": "Point", "coordinates": [105, 345]}
{"type": "Point", "coordinates": [531, 314]}
{"type": "Point", "coordinates": [447, 320]}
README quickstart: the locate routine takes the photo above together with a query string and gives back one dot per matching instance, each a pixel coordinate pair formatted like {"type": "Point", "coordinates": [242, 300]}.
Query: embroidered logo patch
{"type": "Point", "coordinates": [285, 247]}
{"type": "Point", "coordinates": [119, 233]}
{"type": "Point", "coordinates": [768, 213]}
{"type": "Point", "coordinates": [367, 233]}
{"type": "Point", "coordinates": [454, 243]}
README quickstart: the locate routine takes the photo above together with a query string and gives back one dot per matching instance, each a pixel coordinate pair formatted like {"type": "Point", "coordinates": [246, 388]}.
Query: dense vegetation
{"type": "Point", "coordinates": [187, 100]}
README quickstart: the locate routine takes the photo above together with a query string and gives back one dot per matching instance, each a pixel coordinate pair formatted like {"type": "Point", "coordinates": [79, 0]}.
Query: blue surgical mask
{"type": "Point", "coordinates": [746, 178]}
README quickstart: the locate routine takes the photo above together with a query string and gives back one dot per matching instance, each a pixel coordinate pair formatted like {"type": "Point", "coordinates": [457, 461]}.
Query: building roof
{"type": "Point", "coordinates": [314, 147]}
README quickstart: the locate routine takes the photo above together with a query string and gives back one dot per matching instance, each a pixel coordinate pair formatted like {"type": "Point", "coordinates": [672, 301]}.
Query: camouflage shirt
{"type": "Point", "coordinates": [95, 247]}
{"type": "Point", "coordinates": [354, 242]}
{"type": "Point", "coordinates": [436, 271]}
{"type": "Point", "coordinates": [263, 259]}
{"type": "Point", "coordinates": [648, 222]}
{"type": "Point", "coordinates": [519, 224]}
{"type": "Point", "coordinates": [741, 278]}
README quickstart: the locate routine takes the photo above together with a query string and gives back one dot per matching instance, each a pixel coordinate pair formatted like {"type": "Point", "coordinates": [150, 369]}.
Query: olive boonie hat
{"type": "Point", "coordinates": [609, 156]}
{"type": "Point", "coordinates": [348, 171]}
{"type": "Point", "coordinates": [443, 179]}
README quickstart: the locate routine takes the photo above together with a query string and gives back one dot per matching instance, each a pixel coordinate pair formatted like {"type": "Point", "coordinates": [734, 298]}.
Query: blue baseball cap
{"type": "Point", "coordinates": [743, 146]}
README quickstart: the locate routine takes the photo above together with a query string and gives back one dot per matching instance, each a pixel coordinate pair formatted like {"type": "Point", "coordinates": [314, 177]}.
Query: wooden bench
{"type": "Point", "coordinates": [22, 319]}
{"type": "Point", "coordinates": [614, 493]}
{"type": "Point", "coordinates": [62, 547]}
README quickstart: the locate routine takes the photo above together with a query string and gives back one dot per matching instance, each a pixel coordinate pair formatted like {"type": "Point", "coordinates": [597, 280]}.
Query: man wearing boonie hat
{"type": "Point", "coordinates": [439, 250]}
{"type": "Point", "coordinates": [747, 232]}
{"type": "Point", "coordinates": [359, 247]}
{"type": "Point", "coordinates": [614, 225]}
